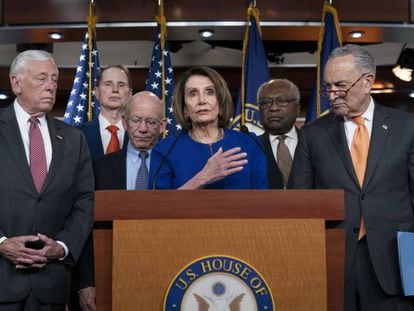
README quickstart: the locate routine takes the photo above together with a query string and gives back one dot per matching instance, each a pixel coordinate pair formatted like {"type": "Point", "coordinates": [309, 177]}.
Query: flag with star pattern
{"type": "Point", "coordinates": [155, 82]}
{"type": "Point", "coordinates": [78, 104]}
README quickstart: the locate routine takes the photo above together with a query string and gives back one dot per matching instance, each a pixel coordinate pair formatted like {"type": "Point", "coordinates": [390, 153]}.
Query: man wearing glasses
{"type": "Point", "coordinates": [367, 150]}
{"type": "Point", "coordinates": [279, 105]}
{"type": "Point", "coordinates": [124, 169]}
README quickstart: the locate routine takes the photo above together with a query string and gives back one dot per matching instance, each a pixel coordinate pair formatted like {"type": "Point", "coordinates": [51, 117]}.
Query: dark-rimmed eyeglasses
{"type": "Point", "coordinates": [281, 102]}
{"type": "Point", "coordinates": [340, 93]}
{"type": "Point", "coordinates": [151, 123]}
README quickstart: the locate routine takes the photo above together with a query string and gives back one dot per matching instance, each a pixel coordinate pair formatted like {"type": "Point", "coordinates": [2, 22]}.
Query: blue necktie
{"type": "Point", "coordinates": [141, 182]}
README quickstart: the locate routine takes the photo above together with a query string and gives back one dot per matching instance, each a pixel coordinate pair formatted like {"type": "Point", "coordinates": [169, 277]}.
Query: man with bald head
{"type": "Point", "coordinates": [127, 168]}
{"type": "Point", "coordinates": [144, 122]}
{"type": "Point", "coordinates": [279, 105]}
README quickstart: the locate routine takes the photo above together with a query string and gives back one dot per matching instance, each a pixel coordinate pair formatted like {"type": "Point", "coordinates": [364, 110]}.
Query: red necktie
{"type": "Point", "coordinates": [359, 155]}
{"type": "Point", "coordinates": [113, 142]}
{"type": "Point", "coordinates": [38, 165]}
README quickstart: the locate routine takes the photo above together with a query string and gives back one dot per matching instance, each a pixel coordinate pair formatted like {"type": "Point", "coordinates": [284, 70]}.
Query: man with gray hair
{"type": "Point", "coordinates": [279, 105]}
{"type": "Point", "coordinates": [127, 168]}
{"type": "Point", "coordinates": [46, 193]}
{"type": "Point", "coordinates": [367, 150]}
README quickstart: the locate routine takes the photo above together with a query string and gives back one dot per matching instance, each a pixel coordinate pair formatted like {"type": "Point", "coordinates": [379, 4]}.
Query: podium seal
{"type": "Point", "coordinates": [218, 283]}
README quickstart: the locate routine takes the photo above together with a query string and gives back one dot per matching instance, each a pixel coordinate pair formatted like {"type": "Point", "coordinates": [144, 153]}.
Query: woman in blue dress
{"type": "Point", "coordinates": [206, 155]}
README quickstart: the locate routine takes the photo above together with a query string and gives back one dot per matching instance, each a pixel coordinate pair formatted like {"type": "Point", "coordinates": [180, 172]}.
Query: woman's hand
{"type": "Point", "coordinates": [218, 166]}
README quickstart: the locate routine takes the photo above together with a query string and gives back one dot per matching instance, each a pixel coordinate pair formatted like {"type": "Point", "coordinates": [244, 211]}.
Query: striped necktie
{"type": "Point", "coordinates": [37, 157]}
{"type": "Point", "coordinates": [141, 183]}
{"type": "Point", "coordinates": [284, 158]}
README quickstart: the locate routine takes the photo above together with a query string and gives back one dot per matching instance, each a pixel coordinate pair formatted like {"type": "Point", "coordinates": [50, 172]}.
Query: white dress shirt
{"type": "Point", "coordinates": [291, 142]}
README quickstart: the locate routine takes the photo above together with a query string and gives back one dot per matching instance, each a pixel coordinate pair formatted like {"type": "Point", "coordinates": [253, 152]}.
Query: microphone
{"type": "Point", "coordinates": [164, 159]}
{"type": "Point", "coordinates": [245, 130]}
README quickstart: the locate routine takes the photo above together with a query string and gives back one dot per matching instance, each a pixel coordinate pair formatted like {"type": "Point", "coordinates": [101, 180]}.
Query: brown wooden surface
{"type": "Point", "coordinates": [289, 254]}
{"type": "Point", "coordinates": [172, 204]}
{"type": "Point", "coordinates": [268, 204]}
{"type": "Point", "coordinates": [335, 254]}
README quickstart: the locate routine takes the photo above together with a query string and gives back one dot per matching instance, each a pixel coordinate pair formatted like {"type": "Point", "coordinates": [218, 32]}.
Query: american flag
{"type": "Point", "coordinates": [154, 82]}
{"type": "Point", "coordinates": [78, 104]}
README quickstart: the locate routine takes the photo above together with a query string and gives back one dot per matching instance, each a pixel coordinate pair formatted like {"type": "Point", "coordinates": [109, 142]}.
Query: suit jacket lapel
{"type": "Point", "coordinates": [380, 128]}
{"type": "Point", "coordinates": [11, 134]}
{"type": "Point", "coordinates": [58, 145]}
{"type": "Point", "coordinates": [336, 131]}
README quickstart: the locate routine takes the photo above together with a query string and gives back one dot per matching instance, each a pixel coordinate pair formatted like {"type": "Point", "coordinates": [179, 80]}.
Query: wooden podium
{"type": "Point", "coordinates": [287, 235]}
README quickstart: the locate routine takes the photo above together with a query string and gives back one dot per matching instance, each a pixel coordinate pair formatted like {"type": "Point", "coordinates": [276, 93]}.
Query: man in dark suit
{"type": "Point", "coordinates": [113, 91]}
{"type": "Point", "coordinates": [144, 122]}
{"type": "Point", "coordinates": [367, 150]}
{"type": "Point", "coordinates": [46, 193]}
{"type": "Point", "coordinates": [279, 105]}
{"type": "Point", "coordinates": [104, 135]}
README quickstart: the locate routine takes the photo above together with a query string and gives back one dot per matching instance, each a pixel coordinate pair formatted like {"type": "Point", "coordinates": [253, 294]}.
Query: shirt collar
{"type": "Point", "coordinates": [133, 153]}
{"type": "Point", "coordinates": [292, 134]}
{"type": "Point", "coordinates": [22, 116]}
{"type": "Point", "coordinates": [368, 114]}
{"type": "Point", "coordinates": [104, 123]}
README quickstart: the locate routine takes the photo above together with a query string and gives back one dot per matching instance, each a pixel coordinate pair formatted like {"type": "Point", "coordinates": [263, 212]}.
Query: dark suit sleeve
{"type": "Point", "coordinates": [302, 175]}
{"type": "Point", "coordinates": [79, 223]}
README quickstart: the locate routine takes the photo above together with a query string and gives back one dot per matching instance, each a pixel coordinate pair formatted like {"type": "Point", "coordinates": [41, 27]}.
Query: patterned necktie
{"type": "Point", "coordinates": [141, 183]}
{"type": "Point", "coordinates": [284, 158]}
{"type": "Point", "coordinates": [359, 155]}
{"type": "Point", "coordinates": [113, 144]}
{"type": "Point", "coordinates": [38, 165]}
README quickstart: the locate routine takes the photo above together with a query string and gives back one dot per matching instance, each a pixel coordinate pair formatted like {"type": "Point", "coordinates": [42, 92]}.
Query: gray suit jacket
{"type": "Point", "coordinates": [63, 210]}
{"type": "Point", "coordinates": [322, 160]}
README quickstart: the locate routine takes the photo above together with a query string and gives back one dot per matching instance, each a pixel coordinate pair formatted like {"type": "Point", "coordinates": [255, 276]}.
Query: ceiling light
{"type": "Point", "coordinates": [55, 35]}
{"type": "Point", "coordinates": [206, 33]}
{"type": "Point", "coordinates": [405, 64]}
{"type": "Point", "coordinates": [356, 34]}
{"type": "Point", "coordinates": [3, 96]}
{"type": "Point", "coordinates": [411, 95]}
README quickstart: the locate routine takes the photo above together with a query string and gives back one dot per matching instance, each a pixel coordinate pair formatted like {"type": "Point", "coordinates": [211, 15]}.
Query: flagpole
{"type": "Point", "coordinates": [160, 18]}
{"type": "Point", "coordinates": [252, 11]}
{"type": "Point", "coordinates": [91, 35]}
{"type": "Point", "coordinates": [327, 8]}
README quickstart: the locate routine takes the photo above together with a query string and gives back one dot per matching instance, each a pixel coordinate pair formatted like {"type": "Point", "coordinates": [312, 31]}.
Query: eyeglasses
{"type": "Point", "coordinates": [281, 102]}
{"type": "Point", "coordinates": [150, 123]}
{"type": "Point", "coordinates": [340, 93]}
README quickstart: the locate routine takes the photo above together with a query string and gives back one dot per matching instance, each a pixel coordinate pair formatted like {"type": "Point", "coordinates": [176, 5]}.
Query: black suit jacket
{"type": "Point", "coordinates": [63, 210]}
{"type": "Point", "coordinates": [322, 161]}
{"type": "Point", "coordinates": [110, 171]}
{"type": "Point", "coordinates": [273, 172]}
{"type": "Point", "coordinates": [110, 174]}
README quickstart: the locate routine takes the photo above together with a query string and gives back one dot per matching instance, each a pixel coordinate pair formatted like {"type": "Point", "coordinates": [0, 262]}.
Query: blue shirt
{"type": "Point", "coordinates": [188, 157]}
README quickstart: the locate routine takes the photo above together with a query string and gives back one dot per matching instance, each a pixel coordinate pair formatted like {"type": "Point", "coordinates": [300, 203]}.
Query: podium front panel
{"type": "Point", "coordinates": [289, 254]}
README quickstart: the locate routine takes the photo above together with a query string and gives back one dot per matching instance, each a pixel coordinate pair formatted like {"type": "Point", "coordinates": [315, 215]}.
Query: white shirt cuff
{"type": "Point", "coordinates": [65, 248]}
{"type": "Point", "coordinates": [2, 239]}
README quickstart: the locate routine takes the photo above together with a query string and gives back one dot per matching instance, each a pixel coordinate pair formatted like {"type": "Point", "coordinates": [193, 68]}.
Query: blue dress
{"type": "Point", "coordinates": [187, 157]}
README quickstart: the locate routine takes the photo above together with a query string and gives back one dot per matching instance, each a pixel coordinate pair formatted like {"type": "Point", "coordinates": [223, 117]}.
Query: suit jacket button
{"type": "Point", "coordinates": [39, 199]}
{"type": "Point", "coordinates": [362, 196]}
{"type": "Point", "coordinates": [356, 230]}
